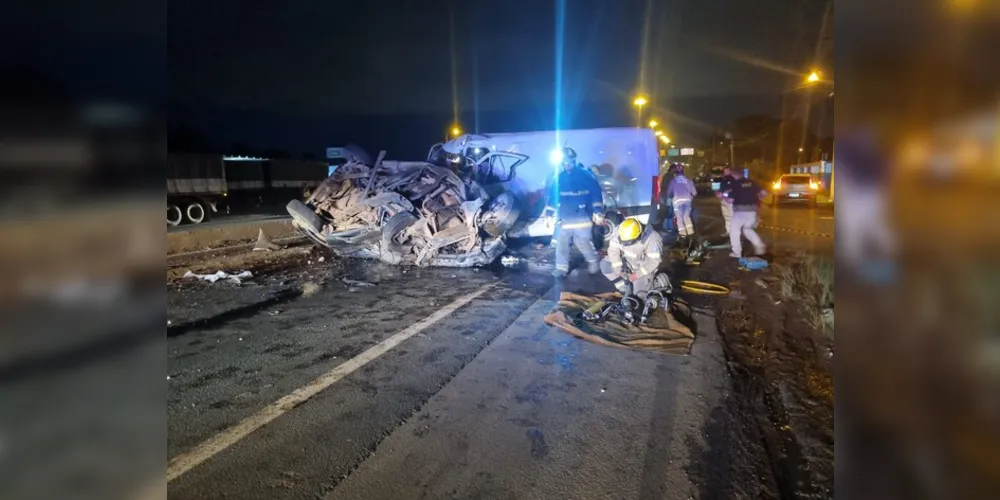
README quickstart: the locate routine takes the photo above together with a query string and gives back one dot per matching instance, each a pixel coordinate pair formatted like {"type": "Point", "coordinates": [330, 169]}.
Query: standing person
{"type": "Point", "coordinates": [635, 254]}
{"type": "Point", "coordinates": [725, 203]}
{"type": "Point", "coordinates": [682, 190]}
{"type": "Point", "coordinates": [577, 202]}
{"type": "Point", "coordinates": [746, 196]}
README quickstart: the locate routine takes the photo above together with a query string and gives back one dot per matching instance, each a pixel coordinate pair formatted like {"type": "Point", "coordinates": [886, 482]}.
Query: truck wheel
{"type": "Point", "coordinates": [174, 215]}
{"type": "Point", "coordinates": [195, 213]}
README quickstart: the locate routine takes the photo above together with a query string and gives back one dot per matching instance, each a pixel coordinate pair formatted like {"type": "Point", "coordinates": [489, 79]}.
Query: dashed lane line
{"type": "Point", "coordinates": [213, 446]}
{"type": "Point", "coordinates": [796, 231]}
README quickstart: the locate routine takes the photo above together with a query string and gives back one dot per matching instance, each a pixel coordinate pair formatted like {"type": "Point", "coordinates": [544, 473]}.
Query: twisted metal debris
{"type": "Point", "coordinates": [412, 213]}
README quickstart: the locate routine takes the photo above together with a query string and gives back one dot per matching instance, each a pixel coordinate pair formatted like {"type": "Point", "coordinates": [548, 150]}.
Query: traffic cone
{"type": "Point", "coordinates": [264, 243]}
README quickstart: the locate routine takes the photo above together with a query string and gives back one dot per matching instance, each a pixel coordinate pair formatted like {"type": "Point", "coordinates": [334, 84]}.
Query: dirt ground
{"type": "Point", "coordinates": [292, 256]}
{"type": "Point", "coordinates": [781, 407]}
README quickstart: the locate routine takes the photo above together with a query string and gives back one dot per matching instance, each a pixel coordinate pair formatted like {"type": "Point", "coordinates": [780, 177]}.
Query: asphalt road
{"type": "Point", "coordinates": [484, 401]}
{"type": "Point", "coordinates": [444, 383]}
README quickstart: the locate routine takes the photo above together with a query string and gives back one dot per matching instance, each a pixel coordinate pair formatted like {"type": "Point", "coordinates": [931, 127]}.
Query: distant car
{"type": "Point", "coordinates": [794, 188]}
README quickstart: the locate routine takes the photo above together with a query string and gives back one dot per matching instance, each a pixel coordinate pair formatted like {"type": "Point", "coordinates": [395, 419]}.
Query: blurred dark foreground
{"type": "Point", "coordinates": [918, 343]}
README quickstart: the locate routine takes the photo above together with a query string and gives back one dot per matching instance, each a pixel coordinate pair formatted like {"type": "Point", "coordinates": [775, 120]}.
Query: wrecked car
{"type": "Point", "coordinates": [411, 213]}
{"type": "Point", "coordinates": [624, 160]}
{"type": "Point", "coordinates": [458, 207]}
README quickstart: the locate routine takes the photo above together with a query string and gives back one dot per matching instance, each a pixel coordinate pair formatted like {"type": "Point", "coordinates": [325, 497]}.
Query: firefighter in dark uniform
{"type": "Point", "coordinates": [577, 202]}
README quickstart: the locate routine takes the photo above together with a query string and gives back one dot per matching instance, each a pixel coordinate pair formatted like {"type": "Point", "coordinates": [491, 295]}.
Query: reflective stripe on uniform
{"type": "Point", "coordinates": [583, 192]}
{"type": "Point", "coordinates": [616, 264]}
{"type": "Point", "coordinates": [577, 225]}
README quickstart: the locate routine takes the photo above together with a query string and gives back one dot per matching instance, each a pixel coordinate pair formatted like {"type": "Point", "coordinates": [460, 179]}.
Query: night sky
{"type": "Point", "coordinates": [300, 75]}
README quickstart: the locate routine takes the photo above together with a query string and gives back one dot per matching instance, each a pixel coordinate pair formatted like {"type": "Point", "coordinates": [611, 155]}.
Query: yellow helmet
{"type": "Point", "coordinates": [629, 230]}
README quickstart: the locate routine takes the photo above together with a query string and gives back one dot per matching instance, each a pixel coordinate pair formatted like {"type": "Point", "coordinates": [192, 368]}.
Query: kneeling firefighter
{"type": "Point", "coordinates": [635, 254]}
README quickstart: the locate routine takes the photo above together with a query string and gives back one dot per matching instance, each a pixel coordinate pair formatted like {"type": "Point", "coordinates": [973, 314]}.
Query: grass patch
{"type": "Point", "coordinates": [809, 280]}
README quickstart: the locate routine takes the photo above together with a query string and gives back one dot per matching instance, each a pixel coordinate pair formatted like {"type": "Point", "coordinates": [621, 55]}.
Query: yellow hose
{"type": "Point", "coordinates": [703, 288]}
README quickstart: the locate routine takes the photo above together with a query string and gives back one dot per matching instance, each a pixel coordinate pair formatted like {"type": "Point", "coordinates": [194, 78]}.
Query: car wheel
{"type": "Point", "coordinates": [501, 215]}
{"type": "Point", "coordinates": [392, 253]}
{"type": "Point", "coordinates": [304, 215]}
{"type": "Point", "coordinates": [307, 221]}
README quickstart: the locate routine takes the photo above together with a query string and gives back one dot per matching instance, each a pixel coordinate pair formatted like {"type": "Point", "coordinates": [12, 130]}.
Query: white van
{"type": "Point", "coordinates": [625, 161]}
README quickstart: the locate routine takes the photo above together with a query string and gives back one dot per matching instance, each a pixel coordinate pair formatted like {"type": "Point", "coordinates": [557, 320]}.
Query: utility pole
{"type": "Point", "coordinates": [732, 153]}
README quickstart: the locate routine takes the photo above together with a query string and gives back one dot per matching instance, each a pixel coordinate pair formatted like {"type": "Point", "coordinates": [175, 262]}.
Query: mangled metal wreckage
{"type": "Point", "coordinates": [410, 213]}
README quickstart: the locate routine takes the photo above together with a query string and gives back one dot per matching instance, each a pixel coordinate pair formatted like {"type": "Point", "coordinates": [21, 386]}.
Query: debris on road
{"type": "Point", "coordinates": [665, 330]}
{"type": "Point", "coordinates": [264, 244]}
{"type": "Point", "coordinates": [351, 282]}
{"type": "Point", "coordinates": [221, 275]}
{"type": "Point", "coordinates": [753, 263]}
{"type": "Point", "coordinates": [413, 213]}
{"type": "Point", "coordinates": [510, 261]}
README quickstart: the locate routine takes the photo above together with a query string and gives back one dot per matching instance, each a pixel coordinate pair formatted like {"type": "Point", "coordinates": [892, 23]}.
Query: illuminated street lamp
{"type": "Point", "coordinates": [665, 139]}
{"type": "Point", "coordinates": [639, 102]}
{"type": "Point", "coordinates": [813, 77]}
{"type": "Point", "coordinates": [653, 123]}
{"type": "Point", "coordinates": [657, 133]}
{"type": "Point", "coordinates": [456, 130]}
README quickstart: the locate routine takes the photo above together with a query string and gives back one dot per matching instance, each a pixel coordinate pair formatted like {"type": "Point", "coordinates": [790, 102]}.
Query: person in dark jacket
{"type": "Point", "coordinates": [576, 201]}
{"type": "Point", "coordinates": [746, 196]}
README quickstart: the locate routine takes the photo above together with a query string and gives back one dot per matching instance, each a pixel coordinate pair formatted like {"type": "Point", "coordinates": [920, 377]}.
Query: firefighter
{"type": "Point", "coordinates": [682, 190]}
{"type": "Point", "coordinates": [635, 254]}
{"type": "Point", "coordinates": [746, 196]}
{"type": "Point", "coordinates": [577, 202]}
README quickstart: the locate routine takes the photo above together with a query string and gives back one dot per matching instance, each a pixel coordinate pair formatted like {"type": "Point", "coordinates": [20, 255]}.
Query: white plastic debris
{"type": "Point", "coordinates": [510, 260]}
{"type": "Point", "coordinates": [321, 259]}
{"type": "Point", "coordinates": [264, 243]}
{"type": "Point", "coordinates": [221, 275]}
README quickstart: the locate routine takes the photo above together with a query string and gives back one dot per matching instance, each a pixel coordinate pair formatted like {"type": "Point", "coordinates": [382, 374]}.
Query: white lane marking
{"type": "Point", "coordinates": [211, 447]}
